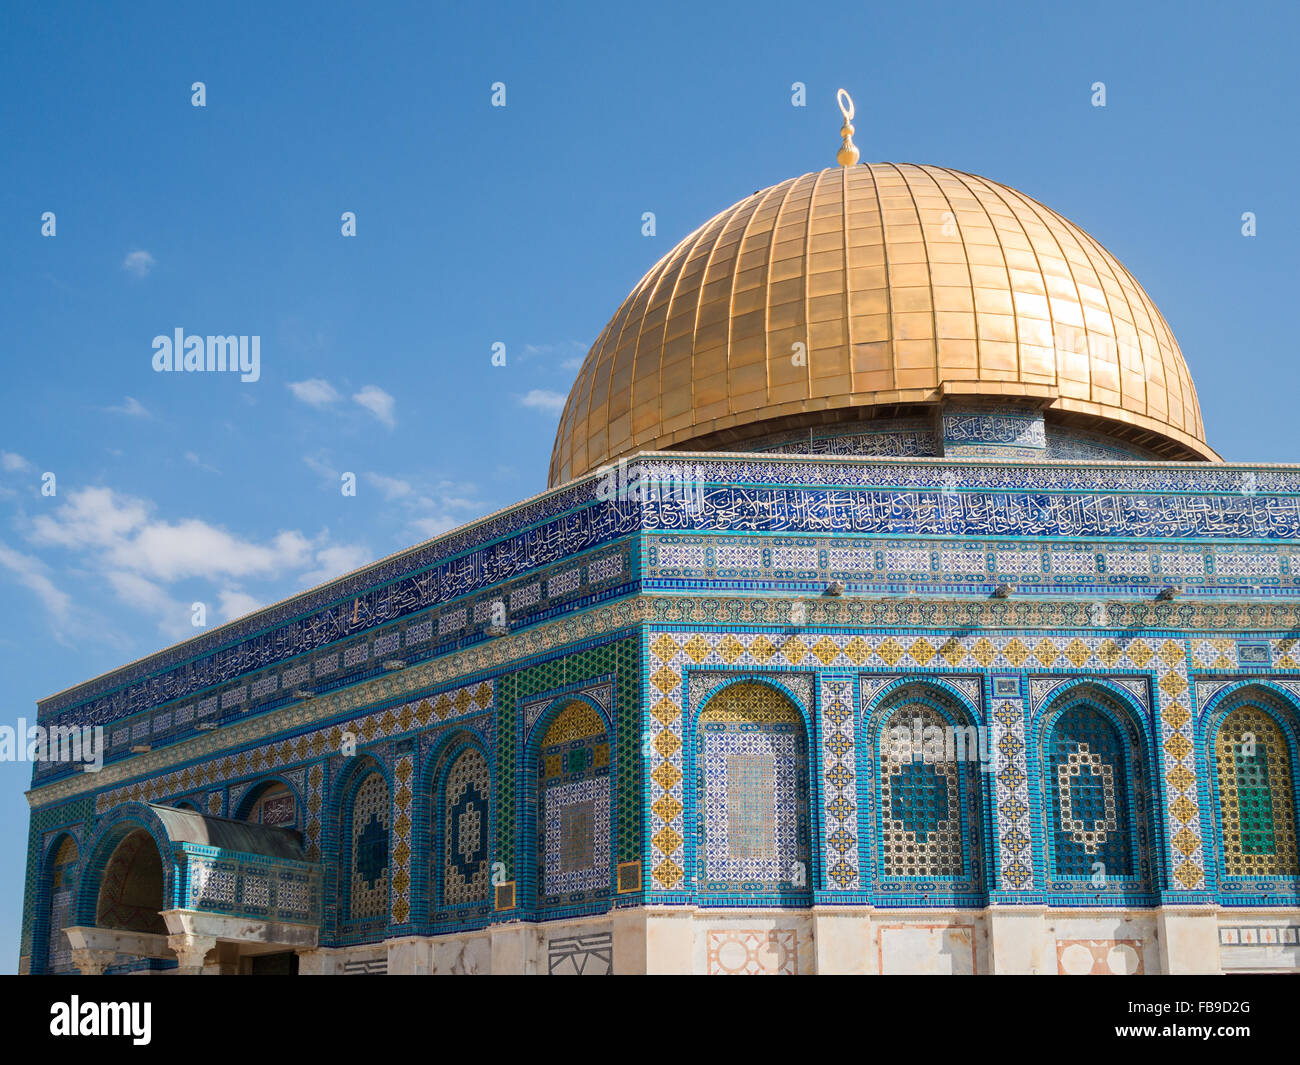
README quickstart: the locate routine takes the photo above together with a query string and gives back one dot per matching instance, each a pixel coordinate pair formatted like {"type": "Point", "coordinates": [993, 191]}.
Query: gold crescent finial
{"type": "Point", "coordinates": [848, 155]}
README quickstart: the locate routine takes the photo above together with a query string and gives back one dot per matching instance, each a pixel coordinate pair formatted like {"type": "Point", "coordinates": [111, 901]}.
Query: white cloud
{"type": "Point", "coordinates": [335, 561]}
{"type": "Point", "coordinates": [192, 457]}
{"type": "Point", "coordinates": [434, 525]}
{"type": "Point", "coordinates": [130, 540]}
{"type": "Point", "coordinates": [72, 623]}
{"type": "Point", "coordinates": [390, 487]}
{"type": "Point", "coordinates": [139, 263]}
{"type": "Point", "coordinates": [315, 392]}
{"type": "Point", "coordinates": [233, 603]}
{"type": "Point", "coordinates": [174, 616]}
{"type": "Point", "coordinates": [131, 407]}
{"type": "Point", "coordinates": [13, 462]}
{"type": "Point", "coordinates": [543, 399]}
{"type": "Point", "coordinates": [320, 464]}
{"type": "Point", "coordinates": [30, 572]}
{"type": "Point", "coordinates": [91, 517]}
{"type": "Point", "coordinates": [431, 507]}
{"type": "Point", "coordinates": [144, 594]}
{"type": "Point", "coordinates": [193, 548]}
{"type": "Point", "coordinates": [570, 353]}
{"type": "Point", "coordinates": [377, 402]}
{"type": "Point", "coordinates": [149, 564]}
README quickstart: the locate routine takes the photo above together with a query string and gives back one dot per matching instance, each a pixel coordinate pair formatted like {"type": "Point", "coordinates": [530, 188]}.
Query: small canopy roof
{"type": "Point", "coordinates": [190, 826]}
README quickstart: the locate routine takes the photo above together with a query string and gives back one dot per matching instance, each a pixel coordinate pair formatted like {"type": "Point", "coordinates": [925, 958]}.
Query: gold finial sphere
{"type": "Point", "coordinates": [848, 155]}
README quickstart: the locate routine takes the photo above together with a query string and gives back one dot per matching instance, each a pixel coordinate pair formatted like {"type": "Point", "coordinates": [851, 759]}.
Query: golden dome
{"type": "Point", "coordinates": [905, 285]}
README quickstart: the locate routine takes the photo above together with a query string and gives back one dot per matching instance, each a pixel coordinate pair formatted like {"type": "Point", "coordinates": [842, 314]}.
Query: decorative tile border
{"type": "Point", "coordinates": [369, 728]}
{"type": "Point", "coordinates": [400, 841]}
{"type": "Point", "coordinates": [839, 773]}
{"type": "Point", "coordinates": [1015, 829]}
{"type": "Point", "coordinates": [545, 533]}
{"type": "Point", "coordinates": [673, 653]}
{"type": "Point", "coordinates": [1198, 618]}
{"type": "Point", "coordinates": [1259, 936]}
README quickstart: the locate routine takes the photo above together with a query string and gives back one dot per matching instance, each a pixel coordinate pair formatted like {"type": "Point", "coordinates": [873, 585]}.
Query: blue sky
{"type": "Point", "coordinates": [519, 225]}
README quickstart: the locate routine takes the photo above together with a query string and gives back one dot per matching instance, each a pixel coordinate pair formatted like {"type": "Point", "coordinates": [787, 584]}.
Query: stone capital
{"type": "Point", "coordinates": [190, 950]}
{"type": "Point", "coordinates": [92, 962]}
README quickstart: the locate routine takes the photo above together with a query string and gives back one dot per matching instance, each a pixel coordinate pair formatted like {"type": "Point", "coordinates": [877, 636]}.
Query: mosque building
{"type": "Point", "coordinates": [887, 612]}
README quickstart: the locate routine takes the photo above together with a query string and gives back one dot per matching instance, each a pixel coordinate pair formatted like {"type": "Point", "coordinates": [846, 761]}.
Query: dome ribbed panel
{"type": "Point", "coordinates": [901, 284]}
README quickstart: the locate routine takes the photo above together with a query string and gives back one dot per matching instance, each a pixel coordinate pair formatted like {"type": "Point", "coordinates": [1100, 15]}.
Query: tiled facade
{"type": "Point", "coordinates": [680, 753]}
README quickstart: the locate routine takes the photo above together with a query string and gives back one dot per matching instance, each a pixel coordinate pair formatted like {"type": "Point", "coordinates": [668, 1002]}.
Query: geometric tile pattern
{"type": "Point", "coordinates": [1126, 617]}
{"type": "Point", "coordinates": [920, 812]}
{"type": "Point", "coordinates": [368, 728]}
{"type": "Point", "coordinates": [574, 806]}
{"type": "Point", "coordinates": [1256, 811]}
{"type": "Point", "coordinates": [701, 682]}
{"type": "Point", "coordinates": [1099, 957]}
{"type": "Point", "coordinates": [1087, 780]}
{"type": "Point", "coordinates": [1084, 566]}
{"type": "Point", "coordinates": [62, 872]}
{"type": "Point", "coordinates": [839, 781]}
{"type": "Point", "coordinates": [372, 586]}
{"type": "Point", "coordinates": [1011, 789]}
{"type": "Point", "coordinates": [403, 772]}
{"type": "Point", "coordinates": [1164, 663]}
{"type": "Point", "coordinates": [1267, 935]}
{"type": "Point", "coordinates": [753, 952]}
{"type": "Point", "coordinates": [241, 885]}
{"type": "Point", "coordinates": [466, 818]}
{"type": "Point", "coordinates": [672, 653]}
{"type": "Point", "coordinates": [369, 865]}
{"type": "Point", "coordinates": [601, 693]}
{"type": "Point", "coordinates": [752, 782]}
{"type": "Point", "coordinates": [315, 799]}
{"type": "Point", "coordinates": [569, 671]}
{"type": "Point", "coordinates": [590, 954]}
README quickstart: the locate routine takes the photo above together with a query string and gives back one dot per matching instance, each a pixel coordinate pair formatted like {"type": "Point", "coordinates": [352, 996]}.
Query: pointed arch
{"type": "Point", "coordinates": [925, 795]}
{"type": "Point", "coordinates": [1093, 763]}
{"type": "Point", "coordinates": [460, 828]}
{"type": "Point", "coordinates": [1252, 755]}
{"type": "Point", "coordinates": [365, 817]}
{"type": "Point", "coordinates": [52, 952]}
{"type": "Point", "coordinates": [570, 760]}
{"type": "Point", "coordinates": [750, 802]}
{"type": "Point", "coordinates": [271, 801]}
{"type": "Point", "coordinates": [112, 891]}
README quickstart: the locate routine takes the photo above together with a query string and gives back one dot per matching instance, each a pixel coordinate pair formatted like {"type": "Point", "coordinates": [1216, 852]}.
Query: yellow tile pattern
{"type": "Point", "coordinates": [673, 653]}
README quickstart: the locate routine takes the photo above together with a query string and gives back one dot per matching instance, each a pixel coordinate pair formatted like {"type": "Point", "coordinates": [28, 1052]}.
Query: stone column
{"type": "Point", "coordinates": [1189, 939]}
{"type": "Point", "coordinates": [190, 951]}
{"type": "Point", "coordinates": [1018, 941]}
{"type": "Point", "coordinates": [91, 962]}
